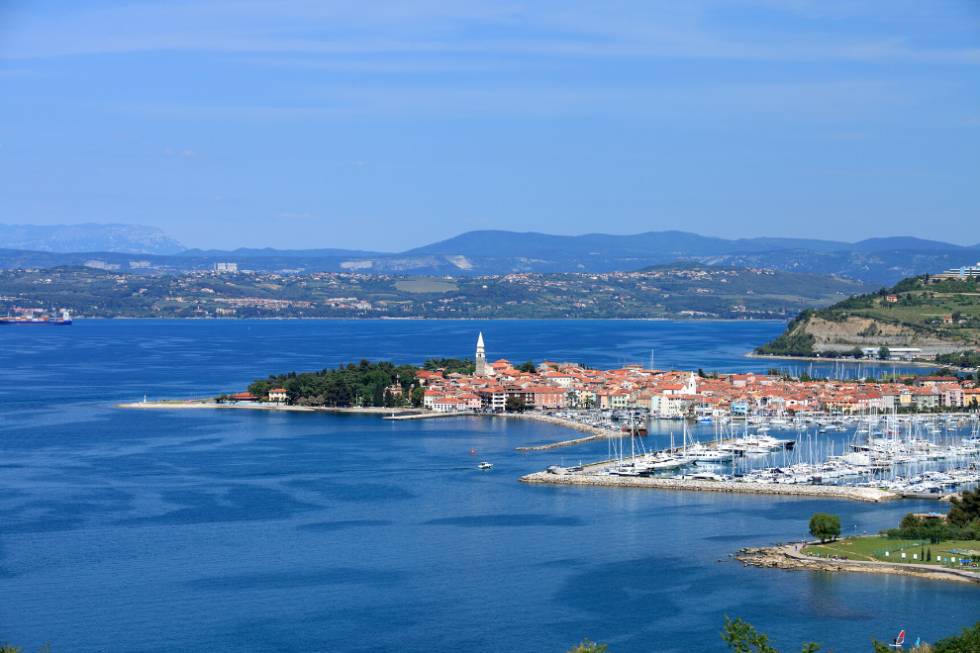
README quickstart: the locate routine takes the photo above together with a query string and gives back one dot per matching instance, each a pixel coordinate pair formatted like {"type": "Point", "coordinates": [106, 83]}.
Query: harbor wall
{"type": "Point", "coordinates": [872, 495]}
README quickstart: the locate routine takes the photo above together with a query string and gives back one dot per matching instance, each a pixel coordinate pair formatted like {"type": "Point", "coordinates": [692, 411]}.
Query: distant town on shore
{"type": "Point", "coordinates": [455, 385]}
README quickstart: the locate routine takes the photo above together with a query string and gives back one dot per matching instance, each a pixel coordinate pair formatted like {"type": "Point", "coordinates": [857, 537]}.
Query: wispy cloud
{"type": "Point", "coordinates": [702, 101]}
{"type": "Point", "coordinates": [697, 29]}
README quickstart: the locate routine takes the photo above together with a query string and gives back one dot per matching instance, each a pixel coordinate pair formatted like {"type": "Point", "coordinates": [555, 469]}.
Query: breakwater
{"type": "Point", "coordinates": [822, 491]}
{"type": "Point", "coordinates": [595, 433]}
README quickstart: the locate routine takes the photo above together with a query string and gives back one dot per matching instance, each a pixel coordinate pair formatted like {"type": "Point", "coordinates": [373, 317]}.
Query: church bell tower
{"type": "Point", "coordinates": [481, 357]}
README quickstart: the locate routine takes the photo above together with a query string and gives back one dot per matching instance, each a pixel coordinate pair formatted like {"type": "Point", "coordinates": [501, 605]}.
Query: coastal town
{"type": "Point", "coordinates": [903, 434]}
{"type": "Point", "coordinates": [501, 385]}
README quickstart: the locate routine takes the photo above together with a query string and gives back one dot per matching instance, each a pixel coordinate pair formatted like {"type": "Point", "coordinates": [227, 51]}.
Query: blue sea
{"type": "Point", "coordinates": [199, 530]}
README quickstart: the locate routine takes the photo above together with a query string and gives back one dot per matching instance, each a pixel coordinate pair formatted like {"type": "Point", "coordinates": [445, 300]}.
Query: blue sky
{"type": "Point", "coordinates": [386, 125]}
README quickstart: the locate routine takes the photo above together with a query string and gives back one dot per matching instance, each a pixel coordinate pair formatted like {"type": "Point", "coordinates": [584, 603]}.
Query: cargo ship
{"type": "Point", "coordinates": [38, 317]}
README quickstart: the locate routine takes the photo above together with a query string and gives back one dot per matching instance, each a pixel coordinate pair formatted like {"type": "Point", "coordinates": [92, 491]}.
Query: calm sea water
{"type": "Point", "coordinates": [126, 530]}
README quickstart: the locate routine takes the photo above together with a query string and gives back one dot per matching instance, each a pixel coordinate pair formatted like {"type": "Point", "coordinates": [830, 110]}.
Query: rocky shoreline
{"type": "Point", "coordinates": [785, 558]}
{"type": "Point", "coordinates": [871, 495]}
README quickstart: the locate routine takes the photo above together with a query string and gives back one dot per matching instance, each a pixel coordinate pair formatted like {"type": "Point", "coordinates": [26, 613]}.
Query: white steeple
{"type": "Point", "coordinates": [481, 357]}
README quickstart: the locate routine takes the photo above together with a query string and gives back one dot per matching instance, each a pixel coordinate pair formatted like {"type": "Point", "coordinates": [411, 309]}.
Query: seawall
{"type": "Point", "coordinates": [821, 491]}
{"type": "Point", "coordinates": [594, 433]}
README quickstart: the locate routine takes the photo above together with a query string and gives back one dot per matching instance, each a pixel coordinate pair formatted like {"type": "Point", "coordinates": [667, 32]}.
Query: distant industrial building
{"type": "Point", "coordinates": [895, 353]}
{"type": "Point", "coordinates": [959, 273]}
{"type": "Point", "coordinates": [226, 267]}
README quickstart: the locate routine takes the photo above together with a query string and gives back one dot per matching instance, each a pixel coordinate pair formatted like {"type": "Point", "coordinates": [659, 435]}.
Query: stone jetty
{"type": "Point", "coordinates": [786, 558]}
{"type": "Point", "coordinates": [872, 495]}
{"type": "Point", "coordinates": [595, 433]}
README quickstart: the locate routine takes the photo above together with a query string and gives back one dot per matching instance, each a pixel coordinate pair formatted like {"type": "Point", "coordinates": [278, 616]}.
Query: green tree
{"type": "Point", "coordinates": [7, 648]}
{"type": "Point", "coordinates": [514, 404]}
{"type": "Point", "coordinates": [968, 641]}
{"type": "Point", "coordinates": [884, 353]}
{"type": "Point", "coordinates": [742, 637]}
{"type": "Point", "coordinates": [529, 367]}
{"type": "Point", "coordinates": [910, 521]}
{"type": "Point", "coordinates": [259, 388]}
{"type": "Point", "coordinates": [588, 647]}
{"type": "Point", "coordinates": [418, 396]}
{"type": "Point", "coordinates": [824, 526]}
{"type": "Point", "coordinates": [965, 510]}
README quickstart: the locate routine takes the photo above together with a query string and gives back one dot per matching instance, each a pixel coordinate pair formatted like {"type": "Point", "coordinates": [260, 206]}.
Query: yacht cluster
{"type": "Point", "coordinates": [904, 454]}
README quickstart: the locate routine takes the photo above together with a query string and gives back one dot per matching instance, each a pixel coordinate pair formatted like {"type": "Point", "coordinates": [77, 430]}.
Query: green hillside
{"type": "Point", "coordinates": [938, 317]}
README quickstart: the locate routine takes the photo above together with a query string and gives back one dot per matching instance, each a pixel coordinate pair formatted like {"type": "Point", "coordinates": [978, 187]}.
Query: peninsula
{"type": "Point", "coordinates": [607, 403]}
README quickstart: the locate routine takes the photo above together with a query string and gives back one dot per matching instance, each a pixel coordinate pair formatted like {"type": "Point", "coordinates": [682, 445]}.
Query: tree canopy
{"type": "Point", "coordinates": [966, 510]}
{"type": "Point", "coordinates": [824, 526]}
{"type": "Point", "coordinates": [361, 384]}
{"type": "Point", "coordinates": [742, 637]}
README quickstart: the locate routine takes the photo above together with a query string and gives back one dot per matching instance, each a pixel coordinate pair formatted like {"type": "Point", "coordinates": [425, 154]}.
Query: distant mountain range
{"type": "Point", "coordinates": [659, 243]}
{"type": "Point", "coordinates": [132, 239]}
{"type": "Point", "coordinates": [267, 252]}
{"type": "Point", "coordinates": [481, 253]}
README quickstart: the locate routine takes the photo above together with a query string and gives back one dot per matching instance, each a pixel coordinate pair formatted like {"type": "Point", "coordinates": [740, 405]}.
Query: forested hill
{"type": "Point", "coordinates": [682, 290]}
{"type": "Point", "coordinates": [938, 318]}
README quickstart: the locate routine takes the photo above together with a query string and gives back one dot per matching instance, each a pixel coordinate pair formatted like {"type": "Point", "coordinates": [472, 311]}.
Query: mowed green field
{"type": "Point", "coordinates": [861, 548]}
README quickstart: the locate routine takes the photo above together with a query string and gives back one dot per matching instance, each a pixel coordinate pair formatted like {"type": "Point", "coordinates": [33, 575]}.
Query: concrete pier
{"type": "Point", "coordinates": [822, 491]}
{"type": "Point", "coordinates": [595, 433]}
{"type": "Point", "coordinates": [408, 416]}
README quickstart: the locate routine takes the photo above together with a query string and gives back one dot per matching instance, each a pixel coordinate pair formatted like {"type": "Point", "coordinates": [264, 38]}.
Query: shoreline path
{"type": "Point", "coordinates": [786, 557]}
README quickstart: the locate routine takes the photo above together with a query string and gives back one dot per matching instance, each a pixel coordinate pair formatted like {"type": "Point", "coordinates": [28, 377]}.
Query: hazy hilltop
{"type": "Point", "coordinates": [663, 243]}
{"type": "Point", "coordinates": [132, 239]}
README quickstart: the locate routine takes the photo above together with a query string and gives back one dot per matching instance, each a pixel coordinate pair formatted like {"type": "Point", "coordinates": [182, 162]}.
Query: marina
{"type": "Point", "coordinates": [919, 457]}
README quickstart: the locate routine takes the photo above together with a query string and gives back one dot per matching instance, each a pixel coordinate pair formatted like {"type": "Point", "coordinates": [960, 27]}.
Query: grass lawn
{"type": "Point", "coordinates": [861, 548]}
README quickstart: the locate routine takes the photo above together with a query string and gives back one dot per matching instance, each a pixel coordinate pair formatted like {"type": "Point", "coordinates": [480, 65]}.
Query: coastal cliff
{"type": "Point", "coordinates": [938, 318]}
